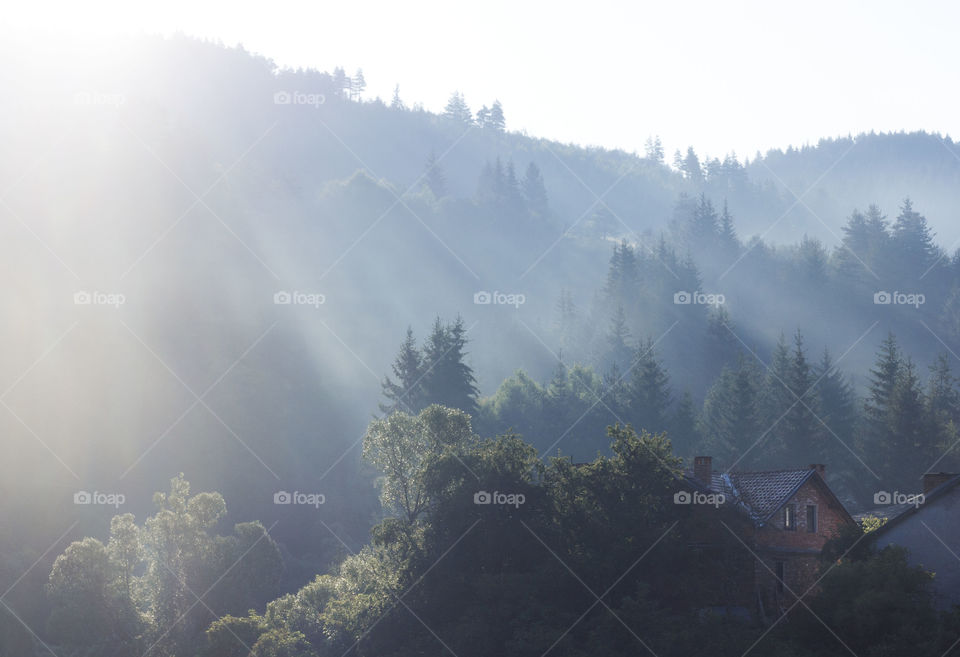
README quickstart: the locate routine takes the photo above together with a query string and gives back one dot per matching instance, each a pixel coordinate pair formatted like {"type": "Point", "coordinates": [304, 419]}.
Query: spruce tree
{"type": "Point", "coordinates": [880, 390]}
{"type": "Point", "coordinates": [914, 250]}
{"type": "Point", "coordinates": [406, 393]}
{"type": "Point", "coordinates": [497, 120]}
{"type": "Point", "coordinates": [396, 103]}
{"type": "Point", "coordinates": [534, 191]}
{"type": "Point", "coordinates": [728, 234]}
{"type": "Point", "coordinates": [910, 447]}
{"type": "Point", "coordinates": [854, 252]}
{"type": "Point", "coordinates": [457, 109]}
{"type": "Point", "coordinates": [434, 179]}
{"type": "Point", "coordinates": [730, 423]}
{"type": "Point", "coordinates": [943, 399]}
{"type": "Point", "coordinates": [618, 338]}
{"type": "Point", "coordinates": [837, 408]}
{"type": "Point", "coordinates": [511, 184]}
{"type": "Point", "coordinates": [691, 166]}
{"type": "Point", "coordinates": [803, 434]}
{"type": "Point", "coordinates": [483, 117]}
{"type": "Point", "coordinates": [448, 380]}
{"type": "Point", "coordinates": [358, 84]}
{"type": "Point", "coordinates": [776, 402]}
{"type": "Point", "coordinates": [648, 391]}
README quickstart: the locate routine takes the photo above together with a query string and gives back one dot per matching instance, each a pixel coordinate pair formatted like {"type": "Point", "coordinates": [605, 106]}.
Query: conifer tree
{"type": "Point", "coordinates": [406, 393]}
{"type": "Point", "coordinates": [434, 179]}
{"type": "Point", "coordinates": [396, 103]}
{"type": "Point", "coordinates": [648, 391]}
{"type": "Point", "coordinates": [534, 191]}
{"type": "Point", "coordinates": [837, 408]}
{"type": "Point", "coordinates": [458, 110]}
{"type": "Point", "coordinates": [497, 121]}
{"type": "Point", "coordinates": [448, 380]}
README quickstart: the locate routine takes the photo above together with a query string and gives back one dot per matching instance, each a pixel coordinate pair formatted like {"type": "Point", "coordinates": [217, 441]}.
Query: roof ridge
{"type": "Point", "coordinates": [769, 471]}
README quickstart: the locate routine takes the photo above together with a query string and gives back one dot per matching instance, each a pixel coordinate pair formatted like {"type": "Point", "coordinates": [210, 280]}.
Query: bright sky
{"type": "Point", "coordinates": [721, 76]}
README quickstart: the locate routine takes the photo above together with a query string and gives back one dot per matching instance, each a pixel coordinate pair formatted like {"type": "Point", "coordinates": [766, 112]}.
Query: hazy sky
{"type": "Point", "coordinates": [721, 76]}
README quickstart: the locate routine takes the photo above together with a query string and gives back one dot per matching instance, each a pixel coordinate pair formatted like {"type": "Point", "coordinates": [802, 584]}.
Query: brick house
{"type": "Point", "coordinates": [928, 528]}
{"type": "Point", "coordinates": [770, 529]}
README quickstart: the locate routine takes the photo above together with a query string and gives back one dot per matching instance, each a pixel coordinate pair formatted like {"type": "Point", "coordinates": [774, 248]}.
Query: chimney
{"type": "Point", "coordinates": [702, 469]}
{"type": "Point", "coordinates": [820, 468]}
{"type": "Point", "coordinates": [933, 479]}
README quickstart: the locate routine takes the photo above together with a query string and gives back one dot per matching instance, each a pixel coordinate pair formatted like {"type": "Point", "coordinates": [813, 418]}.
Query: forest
{"type": "Point", "coordinates": [304, 372]}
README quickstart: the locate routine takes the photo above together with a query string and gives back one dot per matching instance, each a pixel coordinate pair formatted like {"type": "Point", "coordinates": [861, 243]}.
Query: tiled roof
{"type": "Point", "coordinates": [899, 512]}
{"type": "Point", "coordinates": [759, 494]}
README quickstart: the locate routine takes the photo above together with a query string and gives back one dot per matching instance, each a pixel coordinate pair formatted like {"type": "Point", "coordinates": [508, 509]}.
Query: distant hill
{"type": "Point", "coordinates": [199, 181]}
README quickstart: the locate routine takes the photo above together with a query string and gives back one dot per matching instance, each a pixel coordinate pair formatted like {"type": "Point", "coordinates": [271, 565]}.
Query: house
{"type": "Point", "coordinates": [769, 526]}
{"type": "Point", "coordinates": [928, 526]}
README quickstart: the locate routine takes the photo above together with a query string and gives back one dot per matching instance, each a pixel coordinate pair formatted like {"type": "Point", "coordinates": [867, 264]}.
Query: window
{"type": "Point", "coordinates": [779, 569]}
{"type": "Point", "coordinates": [790, 517]}
{"type": "Point", "coordinates": [811, 519]}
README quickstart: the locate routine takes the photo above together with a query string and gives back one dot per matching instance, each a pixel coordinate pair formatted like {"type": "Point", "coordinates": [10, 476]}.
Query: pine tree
{"type": "Point", "coordinates": [341, 82]}
{"type": "Point", "coordinates": [855, 251]}
{"type": "Point", "coordinates": [488, 191]}
{"type": "Point", "coordinates": [649, 391]}
{"type": "Point", "coordinates": [776, 401]}
{"type": "Point", "coordinates": [357, 84]}
{"type": "Point", "coordinates": [434, 179]}
{"type": "Point", "coordinates": [728, 234]}
{"type": "Point", "coordinates": [483, 117]}
{"type": "Point", "coordinates": [943, 399]}
{"type": "Point", "coordinates": [448, 380]}
{"type": "Point", "coordinates": [720, 346]}
{"type": "Point", "coordinates": [396, 103]}
{"type": "Point", "coordinates": [511, 185]}
{"type": "Point", "coordinates": [568, 323]}
{"type": "Point", "coordinates": [802, 434]}
{"type": "Point", "coordinates": [458, 110]}
{"type": "Point", "coordinates": [703, 229]}
{"type": "Point", "coordinates": [943, 409]}
{"type": "Point", "coordinates": [812, 258]}
{"type": "Point", "coordinates": [534, 191]}
{"type": "Point", "coordinates": [613, 393]}
{"type": "Point", "coordinates": [837, 408]}
{"type": "Point", "coordinates": [622, 275]}
{"type": "Point", "coordinates": [913, 246]}
{"type": "Point", "coordinates": [406, 393]}
{"type": "Point", "coordinates": [618, 340]}
{"type": "Point", "coordinates": [691, 166]}
{"type": "Point", "coordinates": [559, 402]}
{"type": "Point", "coordinates": [883, 381]}
{"type": "Point", "coordinates": [497, 121]}
{"type": "Point", "coordinates": [499, 181]}
{"type": "Point", "coordinates": [653, 149]}
{"type": "Point", "coordinates": [910, 445]}
{"type": "Point", "coordinates": [678, 160]}
{"type": "Point", "coordinates": [730, 424]}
